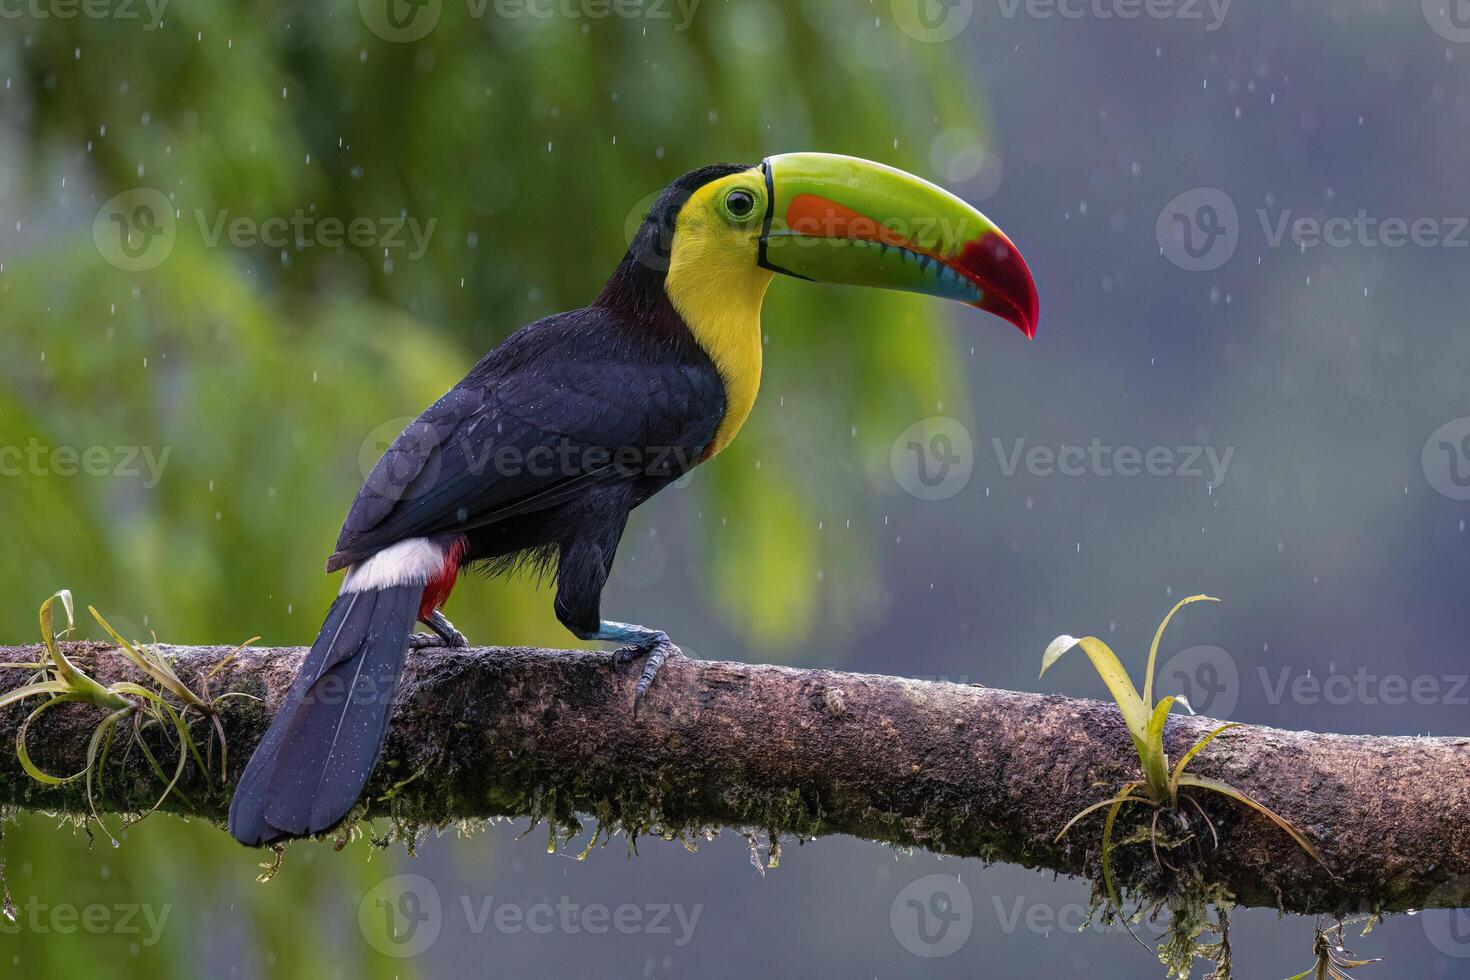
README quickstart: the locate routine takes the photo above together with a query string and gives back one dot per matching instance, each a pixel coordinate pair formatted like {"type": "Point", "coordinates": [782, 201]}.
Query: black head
{"type": "Point", "coordinates": [647, 259]}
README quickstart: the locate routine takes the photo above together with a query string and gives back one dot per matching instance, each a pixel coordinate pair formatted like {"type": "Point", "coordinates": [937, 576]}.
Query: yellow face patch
{"type": "Point", "coordinates": [716, 285]}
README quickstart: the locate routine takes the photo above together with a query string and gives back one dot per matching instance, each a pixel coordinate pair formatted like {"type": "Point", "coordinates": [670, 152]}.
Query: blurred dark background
{"type": "Point", "coordinates": [1221, 400]}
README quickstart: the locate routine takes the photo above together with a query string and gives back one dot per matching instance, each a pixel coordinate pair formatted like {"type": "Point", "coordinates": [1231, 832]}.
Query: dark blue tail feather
{"type": "Point", "coordinates": [311, 766]}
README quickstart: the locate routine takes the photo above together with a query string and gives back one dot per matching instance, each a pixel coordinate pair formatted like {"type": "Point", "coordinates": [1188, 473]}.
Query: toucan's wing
{"type": "Point", "coordinates": [547, 414]}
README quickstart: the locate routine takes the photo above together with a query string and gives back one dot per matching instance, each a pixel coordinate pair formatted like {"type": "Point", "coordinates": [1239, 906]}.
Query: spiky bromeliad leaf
{"type": "Point", "coordinates": [1153, 650]}
{"type": "Point", "coordinates": [84, 687]}
{"type": "Point", "coordinates": [1155, 761]}
{"type": "Point", "coordinates": [1195, 750]}
{"type": "Point", "coordinates": [1110, 669]}
{"type": "Point", "coordinates": [1225, 789]}
{"type": "Point", "coordinates": [1126, 793]}
{"type": "Point", "coordinates": [31, 690]}
{"type": "Point", "coordinates": [97, 750]}
{"type": "Point", "coordinates": [151, 664]}
{"type": "Point", "coordinates": [20, 742]}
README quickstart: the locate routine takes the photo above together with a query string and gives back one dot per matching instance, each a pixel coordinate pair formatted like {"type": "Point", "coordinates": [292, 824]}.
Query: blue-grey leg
{"type": "Point", "coordinates": [444, 635]}
{"type": "Point", "coordinates": [641, 641]}
{"type": "Point", "coordinates": [581, 572]}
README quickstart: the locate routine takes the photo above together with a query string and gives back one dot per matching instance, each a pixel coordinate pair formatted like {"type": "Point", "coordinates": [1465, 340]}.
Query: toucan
{"type": "Point", "coordinates": [538, 456]}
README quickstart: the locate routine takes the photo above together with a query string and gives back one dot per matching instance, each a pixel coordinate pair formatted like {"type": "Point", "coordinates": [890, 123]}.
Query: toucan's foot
{"type": "Point", "coordinates": [642, 642]}
{"type": "Point", "coordinates": [444, 635]}
{"type": "Point", "coordinates": [657, 650]}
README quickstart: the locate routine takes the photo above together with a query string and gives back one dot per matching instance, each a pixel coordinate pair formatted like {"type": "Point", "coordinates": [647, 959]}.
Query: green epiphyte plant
{"type": "Point", "coordinates": [1162, 788]}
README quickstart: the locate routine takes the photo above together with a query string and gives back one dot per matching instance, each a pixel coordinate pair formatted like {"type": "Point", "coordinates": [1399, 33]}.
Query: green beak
{"type": "Point", "coordinates": [841, 219]}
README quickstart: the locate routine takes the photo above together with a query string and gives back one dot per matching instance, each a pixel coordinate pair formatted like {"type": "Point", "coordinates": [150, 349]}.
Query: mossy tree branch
{"type": "Point", "coordinates": [962, 770]}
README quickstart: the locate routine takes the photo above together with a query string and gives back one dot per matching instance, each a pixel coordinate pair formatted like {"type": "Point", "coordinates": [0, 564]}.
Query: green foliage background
{"type": "Point", "coordinates": [530, 144]}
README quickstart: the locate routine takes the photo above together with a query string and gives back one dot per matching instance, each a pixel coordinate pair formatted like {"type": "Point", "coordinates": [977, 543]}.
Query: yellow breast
{"type": "Point", "coordinates": [717, 288]}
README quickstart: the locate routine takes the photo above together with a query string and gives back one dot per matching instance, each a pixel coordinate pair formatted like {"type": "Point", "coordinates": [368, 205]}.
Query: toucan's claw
{"type": "Point", "coordinates": [444, 635]}
{"type": "Point", "coordinates": [658, 649]}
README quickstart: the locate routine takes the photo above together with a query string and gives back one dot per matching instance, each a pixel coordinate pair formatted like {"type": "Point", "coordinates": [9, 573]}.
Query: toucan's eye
{"type": "Point", "coordinates": [740, 203]}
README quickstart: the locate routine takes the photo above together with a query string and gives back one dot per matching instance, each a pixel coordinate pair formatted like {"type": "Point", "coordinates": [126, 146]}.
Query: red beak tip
{"type": "Point", "coordinates": [995, 264]}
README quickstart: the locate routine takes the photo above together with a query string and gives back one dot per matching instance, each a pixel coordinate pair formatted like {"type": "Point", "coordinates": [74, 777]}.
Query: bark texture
{"type": "Point", "coordinates": [957, 769]}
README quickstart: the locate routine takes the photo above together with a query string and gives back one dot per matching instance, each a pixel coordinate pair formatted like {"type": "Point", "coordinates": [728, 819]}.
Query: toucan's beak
{"type": "Point", "coordinates": [840, 219]}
